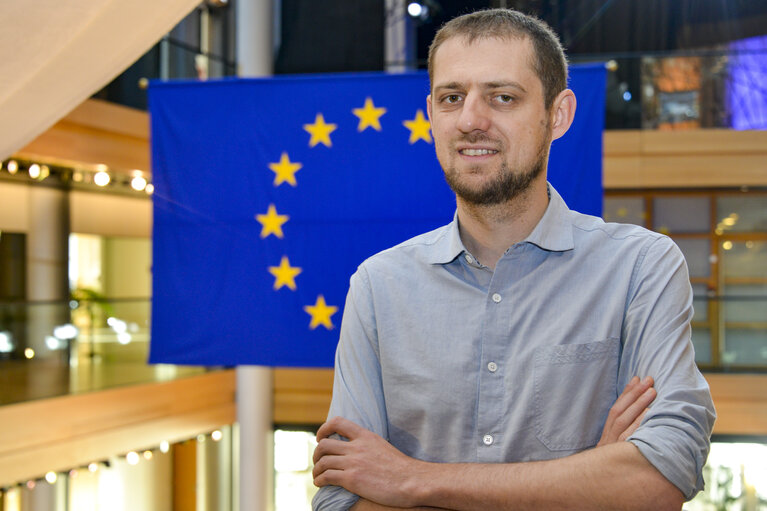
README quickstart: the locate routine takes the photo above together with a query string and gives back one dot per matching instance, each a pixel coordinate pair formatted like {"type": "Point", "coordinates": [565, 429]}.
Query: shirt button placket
{"type": "Point", "coordinates": [491, 390]}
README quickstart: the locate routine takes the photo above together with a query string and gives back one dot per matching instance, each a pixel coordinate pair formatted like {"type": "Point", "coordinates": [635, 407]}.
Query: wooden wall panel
{"type": "Point", "coordinates": [741, 403]}
{"type": "Point", "coordinates": [96, 132]}
{"type": "Point", "coordinates": [65, 432]}
{"type": "Point", "coordinates": [302, 396]}
{"type": "Point", "coordinates": [685, 159]}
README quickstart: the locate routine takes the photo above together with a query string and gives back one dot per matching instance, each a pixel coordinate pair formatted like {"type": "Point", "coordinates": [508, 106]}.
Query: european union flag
{"type": "Point", "coordinates": [270, 192]}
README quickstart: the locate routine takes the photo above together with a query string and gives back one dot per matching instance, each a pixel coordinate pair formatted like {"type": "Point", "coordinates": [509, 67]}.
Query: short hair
{"type": "Point", "coordinates": [549, 62]}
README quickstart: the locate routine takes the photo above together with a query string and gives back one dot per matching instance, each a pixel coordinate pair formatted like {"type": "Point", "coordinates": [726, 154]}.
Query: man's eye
{"type": "Point", "coordinates": [452, 98]}
{"type": "Point", "coordinates": [504, 98]}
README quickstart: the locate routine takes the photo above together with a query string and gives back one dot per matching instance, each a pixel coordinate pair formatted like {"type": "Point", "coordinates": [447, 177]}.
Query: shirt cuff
{"type": "Point", "coordinates": [333, 498]}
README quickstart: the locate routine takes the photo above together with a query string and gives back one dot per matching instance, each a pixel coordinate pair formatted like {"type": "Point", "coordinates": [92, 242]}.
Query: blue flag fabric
{"type": "Point", "coordinates": [269, 193]}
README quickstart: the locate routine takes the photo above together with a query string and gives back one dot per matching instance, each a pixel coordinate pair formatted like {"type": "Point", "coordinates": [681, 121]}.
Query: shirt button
{"type": "Point", "coordinates": [469, 259]}
{"type": "Point", "coordinates": [487, 439]}
{"type": "Point", "coordinates": [492, 367]}
{"type": "Point", "coordinates": [497, 298]}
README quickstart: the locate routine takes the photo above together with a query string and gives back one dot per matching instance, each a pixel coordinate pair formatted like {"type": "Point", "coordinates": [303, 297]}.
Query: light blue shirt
{"type": "Point", "coordinates": [453, 362]}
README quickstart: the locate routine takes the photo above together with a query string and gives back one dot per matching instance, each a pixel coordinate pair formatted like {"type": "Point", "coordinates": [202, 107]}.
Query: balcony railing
{"type": "Point", "coordinates": [713, 88]}
{"type": "Point", "coordinates": [50, 349]}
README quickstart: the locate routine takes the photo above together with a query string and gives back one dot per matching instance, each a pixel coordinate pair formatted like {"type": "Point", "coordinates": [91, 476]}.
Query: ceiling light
{"type": "Point", "coordinates": [138, 183]}
{"type": "Point", "coordinates": [101, 178]}
{"type": "Point", "coordinates": [6, 344]}
{"type": "Point", "coordinates": [415, 9]}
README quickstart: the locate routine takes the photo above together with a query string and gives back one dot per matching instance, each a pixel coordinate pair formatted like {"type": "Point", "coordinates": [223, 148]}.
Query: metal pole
{"type": "Point", "coordinates": [254, 384]}
{"type": "Point", "coordinates": [399, 31]}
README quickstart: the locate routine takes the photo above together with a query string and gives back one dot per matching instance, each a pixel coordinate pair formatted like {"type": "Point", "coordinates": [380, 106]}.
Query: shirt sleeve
{"type": "Point", "coordinates": [675, 434]}
{"type": "Point", "coordinates": [357, 386]}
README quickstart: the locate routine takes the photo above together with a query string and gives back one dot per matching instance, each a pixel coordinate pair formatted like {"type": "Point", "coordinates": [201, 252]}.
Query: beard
{"type": "Point", "coordinates": [506, 184]}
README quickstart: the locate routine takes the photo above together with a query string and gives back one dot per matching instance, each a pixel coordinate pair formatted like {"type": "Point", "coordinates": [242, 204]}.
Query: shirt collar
{"type": "Point", "coordinates": [553, 232]}
{"type": "Point", "coordinates": [449, 245]}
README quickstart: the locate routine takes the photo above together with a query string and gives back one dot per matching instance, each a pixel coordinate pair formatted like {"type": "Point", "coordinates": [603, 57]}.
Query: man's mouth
{"type": "Point", "coordinates": [477, 152]}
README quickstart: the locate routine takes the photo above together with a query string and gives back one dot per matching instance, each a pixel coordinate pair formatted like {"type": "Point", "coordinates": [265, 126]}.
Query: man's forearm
{"type": "Point", "coordinates": [366, 505]}
{"type": "Point", "coordinates": [612, 477]}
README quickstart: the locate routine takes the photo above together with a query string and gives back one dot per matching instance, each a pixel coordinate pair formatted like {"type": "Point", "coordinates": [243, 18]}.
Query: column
{"type": "Point", "coordinates": [254, 384]}
{"type": "Point", "coordinates": [47, 281]}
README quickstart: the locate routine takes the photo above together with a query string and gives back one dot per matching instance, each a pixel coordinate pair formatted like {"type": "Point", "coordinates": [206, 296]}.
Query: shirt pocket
{"type": "Point", "coordinates": [575, 386]}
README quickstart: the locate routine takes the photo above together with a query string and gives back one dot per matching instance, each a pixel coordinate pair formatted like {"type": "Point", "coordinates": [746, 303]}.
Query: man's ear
{"type": "Point", "coordinates": [562, 113]}
{"type": "Point", "coordinates": [428, 107]}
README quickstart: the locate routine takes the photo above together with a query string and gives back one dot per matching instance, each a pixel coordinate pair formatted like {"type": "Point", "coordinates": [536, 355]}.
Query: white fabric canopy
{"type": "Point", "coordinates": [55, 54]}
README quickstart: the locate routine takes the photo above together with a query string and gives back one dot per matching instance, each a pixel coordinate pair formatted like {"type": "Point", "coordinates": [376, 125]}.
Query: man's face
{"type": "Point", "coordinates": [491, 129]}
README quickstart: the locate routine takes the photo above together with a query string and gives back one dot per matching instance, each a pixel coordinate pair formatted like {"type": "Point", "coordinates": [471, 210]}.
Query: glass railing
{"type": "Point", "coordinates": [169, 59]}
{"type": "Point", "coordinates": [713, 88]}
{"type": "Point", "coordinates": [50, 349]}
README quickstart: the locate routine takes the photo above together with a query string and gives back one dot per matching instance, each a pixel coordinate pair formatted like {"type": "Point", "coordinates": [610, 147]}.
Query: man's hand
{"type": "Point", "coordinates": [628, 411]}
{"type": "Point", "coordinates": [366, 465]}
{"type": "Point", "coordinates": [369, 466]}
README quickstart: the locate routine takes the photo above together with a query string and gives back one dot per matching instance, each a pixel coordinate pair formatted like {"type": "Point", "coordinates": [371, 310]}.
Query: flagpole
{"type": "Point", "coordinates": [255, 485]}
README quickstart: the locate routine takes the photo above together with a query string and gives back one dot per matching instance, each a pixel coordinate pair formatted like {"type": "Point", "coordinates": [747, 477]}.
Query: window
{"type": "Point", "coordinates": [723, 236]}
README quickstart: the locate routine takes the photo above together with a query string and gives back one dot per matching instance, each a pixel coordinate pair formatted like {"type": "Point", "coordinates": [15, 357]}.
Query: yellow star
{"type": "Point", "coordinates": [320, 131]}
{"type": "Point", "coordinates": [284, 274]}
{"type": "Point", "coordinates": [271, 222]}
{"type": "Point", "coordinates": [369, 115]}
{"type": "Point", "coordinates": [419, 128]}
{"type": "Point", "coordinates": [285, 170]}
{"type": "Point", "coordinates": [320, 313]}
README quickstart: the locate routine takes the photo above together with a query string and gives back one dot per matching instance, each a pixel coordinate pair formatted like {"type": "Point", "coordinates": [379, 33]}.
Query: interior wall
{"type": "Point", "coordinates": [127, 267]}
{"type": "Point", "coordinates": [104, 214]}
{"type": "Point", "coordinates": [110, 215]}
{"type": "Point", "coordinates": [146, 485]}
{"type": "Point", "coordinates": [14, 204]}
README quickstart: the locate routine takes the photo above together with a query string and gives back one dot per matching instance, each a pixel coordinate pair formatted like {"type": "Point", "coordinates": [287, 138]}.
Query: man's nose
{"type": "Point", "coordinates": [474, 115]}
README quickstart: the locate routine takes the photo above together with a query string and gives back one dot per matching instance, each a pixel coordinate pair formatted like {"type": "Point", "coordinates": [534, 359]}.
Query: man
{"type": "Point", "coordinates": [477, 363]}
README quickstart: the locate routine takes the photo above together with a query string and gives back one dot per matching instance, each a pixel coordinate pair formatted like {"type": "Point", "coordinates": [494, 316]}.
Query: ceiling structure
{"type": "Point", "coordinates": [54, 55]}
